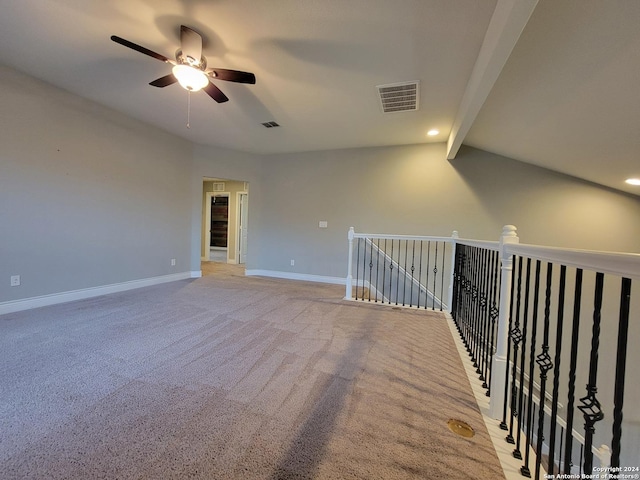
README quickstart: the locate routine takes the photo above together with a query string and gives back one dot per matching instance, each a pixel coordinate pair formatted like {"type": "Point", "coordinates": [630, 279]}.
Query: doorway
{"type": "Point", "coordinates": [224, 221]}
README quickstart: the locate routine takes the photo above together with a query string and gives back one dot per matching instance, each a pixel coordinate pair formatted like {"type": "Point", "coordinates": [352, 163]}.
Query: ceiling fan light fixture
{"type": "Point", "coordinates": [190, 78]}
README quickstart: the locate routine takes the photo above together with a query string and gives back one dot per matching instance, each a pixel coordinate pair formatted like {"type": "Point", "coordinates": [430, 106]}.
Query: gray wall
{"type": "Point", "coordinates": [215, 162]}
{"type": "Point", "coordinates": [415, 190]}
{"type": "Point", "coordinates": [88, 197]}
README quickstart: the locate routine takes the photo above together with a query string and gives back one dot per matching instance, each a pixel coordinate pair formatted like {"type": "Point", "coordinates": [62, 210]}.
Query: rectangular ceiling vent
{"type": "Point", "coordinates": [399, 97]}
{"type": "Point", "coordinates": [270, 124]}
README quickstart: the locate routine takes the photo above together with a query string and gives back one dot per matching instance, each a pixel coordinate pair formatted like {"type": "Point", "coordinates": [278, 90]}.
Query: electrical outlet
{"type": "Point", "coordinates": [173, 262]}
{"type": "Point", "coordinates": [293, 262]}
{"type": "Point", "coordinates": [323, 224]}
{"type": "Point", "coordinates": [15, 280]}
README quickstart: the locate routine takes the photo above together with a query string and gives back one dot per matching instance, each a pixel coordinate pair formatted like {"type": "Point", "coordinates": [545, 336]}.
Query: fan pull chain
{"type": "Point", "coordinates": [189, 109]}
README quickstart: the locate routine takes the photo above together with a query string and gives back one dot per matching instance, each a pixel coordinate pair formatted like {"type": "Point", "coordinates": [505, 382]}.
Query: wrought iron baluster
{"type": "Point", "coordinates": [493, 313]}
{"type": "Point", "coordinates": [404, 275]}
{"type": "Point", "coordinates": [503, 423]}
{"type": "Point", "coordinates": [377, 269]}
{"type": "Point", "coordinates": [384, 268]}
{"type": "Point", "coordinates": [524, 470]}
{"type": "Point", "coordinates": [525, 321]}
{"type": "Point", "coordinates": [474, 305]}
{"type": "Point", "coordinates": [413, 268]}
{"type": "Point", "coordinates": [472, 298]}
{"type": "Point", "coordinates": [435, 276]}
{"type": "Point", "coordinates": [444, 251]}
{"type": "Point", "coordinates": [516, 337]}
{"type": "Point", "coordinates": [621, 362]}
{"type": "Point", "coordinates": [465, 297]}
{"type": "Point", "coordinates": [398, 272]}
{"type": "Point", "coordinates": [575, 331]}
{"type": "Point", "coordinates": [358, 267]}
{"type": "Point", "coordinates": [556, 371]}
{"type": "Point", "coordinates": [544, 364]}
{"type": "Point", "coordinates": [391, 273]}
{"type": "Point", "coordinates": [485, 322]}
{"type": "Point", "coordinates": [420, 277]}
{"type": "Point", "coordinates": [426, 282]}
{"type": "Point", "coordinates": [590, 406]}
{"type": "Point", "coordinates": [370, 266]}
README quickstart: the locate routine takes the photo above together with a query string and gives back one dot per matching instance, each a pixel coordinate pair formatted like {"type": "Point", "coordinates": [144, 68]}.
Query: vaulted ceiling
{"type": "Point", "coordinates": [548, 82]}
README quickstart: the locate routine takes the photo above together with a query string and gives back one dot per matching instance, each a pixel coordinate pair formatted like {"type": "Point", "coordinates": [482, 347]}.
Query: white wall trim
{"type": "Point", "coordinates": [305, 277]}
{"type": "Point", "coordinates": [196, 273]}
{"type": "Point", "coordinates": [70, 296]}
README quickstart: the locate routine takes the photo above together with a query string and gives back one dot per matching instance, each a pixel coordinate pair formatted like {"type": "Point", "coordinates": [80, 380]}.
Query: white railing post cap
{"type": "Point", "coordinates": [351, 233]}
{"type": "Point", "coordinates": [509, 231]}
{"type": "Point", "coordinates": [454, 234]}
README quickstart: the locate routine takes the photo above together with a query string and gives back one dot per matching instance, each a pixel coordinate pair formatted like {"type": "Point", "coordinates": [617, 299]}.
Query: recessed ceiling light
{"type": "Point", "coordinates": [633, 181]}
{"type": "Point", "coordinates": [433, 132]}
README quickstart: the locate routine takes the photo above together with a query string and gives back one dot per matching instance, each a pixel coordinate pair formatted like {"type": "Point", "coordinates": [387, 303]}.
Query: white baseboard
{"type": "Point", "coordinates": [196, 274]}
{"type": "Point", "coordinates": [305, 277]}
{"type": "Point", "coordinates": [63, 297]}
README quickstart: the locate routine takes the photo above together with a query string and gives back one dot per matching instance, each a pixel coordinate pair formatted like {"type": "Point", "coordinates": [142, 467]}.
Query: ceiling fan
{"type": "Point", "coordinates": [190, 66]}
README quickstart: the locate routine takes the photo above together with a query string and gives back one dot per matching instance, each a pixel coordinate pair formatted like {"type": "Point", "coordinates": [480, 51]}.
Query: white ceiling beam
{"type": "Point", "coordinates": [507, 23]}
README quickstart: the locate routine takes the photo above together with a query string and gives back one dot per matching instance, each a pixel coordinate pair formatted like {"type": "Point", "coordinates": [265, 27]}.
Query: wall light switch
{"type": "Point", "coordinates": [173, 262]}
{"type": "Point", "coordinates": [323, 224]}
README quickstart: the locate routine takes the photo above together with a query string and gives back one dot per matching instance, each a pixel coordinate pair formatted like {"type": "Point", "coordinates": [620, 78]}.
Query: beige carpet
{"type": "Point", "coordinates": [232, 377]}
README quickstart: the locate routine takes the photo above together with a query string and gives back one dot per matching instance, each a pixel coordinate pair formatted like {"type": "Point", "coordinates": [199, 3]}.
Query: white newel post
{"type": "Point", "coordinates": [454, 237]}
{"type": "Point", "coordinates": [499, 373]}
{"type": "Point", "coordinates": [348, 294]}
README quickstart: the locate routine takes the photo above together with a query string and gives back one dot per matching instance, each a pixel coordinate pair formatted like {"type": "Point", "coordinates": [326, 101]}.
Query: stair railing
{"type": "Point", "coordinates": [537, 322]}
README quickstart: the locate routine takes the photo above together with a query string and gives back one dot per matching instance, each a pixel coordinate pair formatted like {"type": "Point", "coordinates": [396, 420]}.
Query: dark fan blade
{"type": "Point", "coordinates": [232, 75]}
{"type": "Point", "coordinates": [191, 43]}
{"type": "Point", "coordinates": [215, 93]}
{"type": "Point", "coordinates": [140, 49]}
{"type": "Point", "coordinates": [164, 81]}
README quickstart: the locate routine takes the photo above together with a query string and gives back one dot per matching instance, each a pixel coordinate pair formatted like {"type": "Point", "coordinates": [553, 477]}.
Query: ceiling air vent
{"type": "Point", "coordinates": [270, 124]}
{"type": "Point", "coordinates": [399, 97]}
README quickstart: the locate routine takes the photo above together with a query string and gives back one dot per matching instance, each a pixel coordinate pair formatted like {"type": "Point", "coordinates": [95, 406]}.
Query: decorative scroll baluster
{"type": "Point", "coordinates": [503, 424]}
{"type": "Point", "coordinates": [444, 254]}
{"type": "Point", "coordinates": [426, 281]}
{"type": "Point", "coordinates": [420, 275]}
{"type": "Point", "coordinates": [493, 313]}
{"type": "Point", "coordinates": [485, 318]}
{"type": "Point", "coordinates": [358, 268]}
{"type": "Point", "coordinates": [391, 273]}
{"type": "Point", "coordinates": [377, 269]}
{"type": "Point", "coordinates": [516, 452]}
{"type": "Point", "coordinates": [384, 269]}
{"type": "Point", "coordinates": [404, 277]}
{"type": "Point", "coordinates": [621, 361]}
{"type": "Point", "coordinates": [590, 406]}
{"type": "Point", "coordinates": [474, 307]}
{"type": "Point", "coordinates": [370, 267]}
{"type": "Point", "coordinates": [575, 331]}
{"type": "Point", "coordinates": [556, 373]}
{"type": "Point", "coordinates": [398, 272]}
{"type": "Point", "coordinates": [544, 364]}
{"type": "Point", "coordinates": [516, 337]}
{"type": "Point", "coordinates": [435, 277]}
{"type": "Point", "coordinates": [524, 470]}
{"type": "Point", "coordinates": [413, 268]}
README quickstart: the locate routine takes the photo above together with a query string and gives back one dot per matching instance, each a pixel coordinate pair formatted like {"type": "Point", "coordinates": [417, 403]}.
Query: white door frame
{"type": "Point", "coordinates": [207, 225]}
{"type": "Point", "coordinates": [240, 226]}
